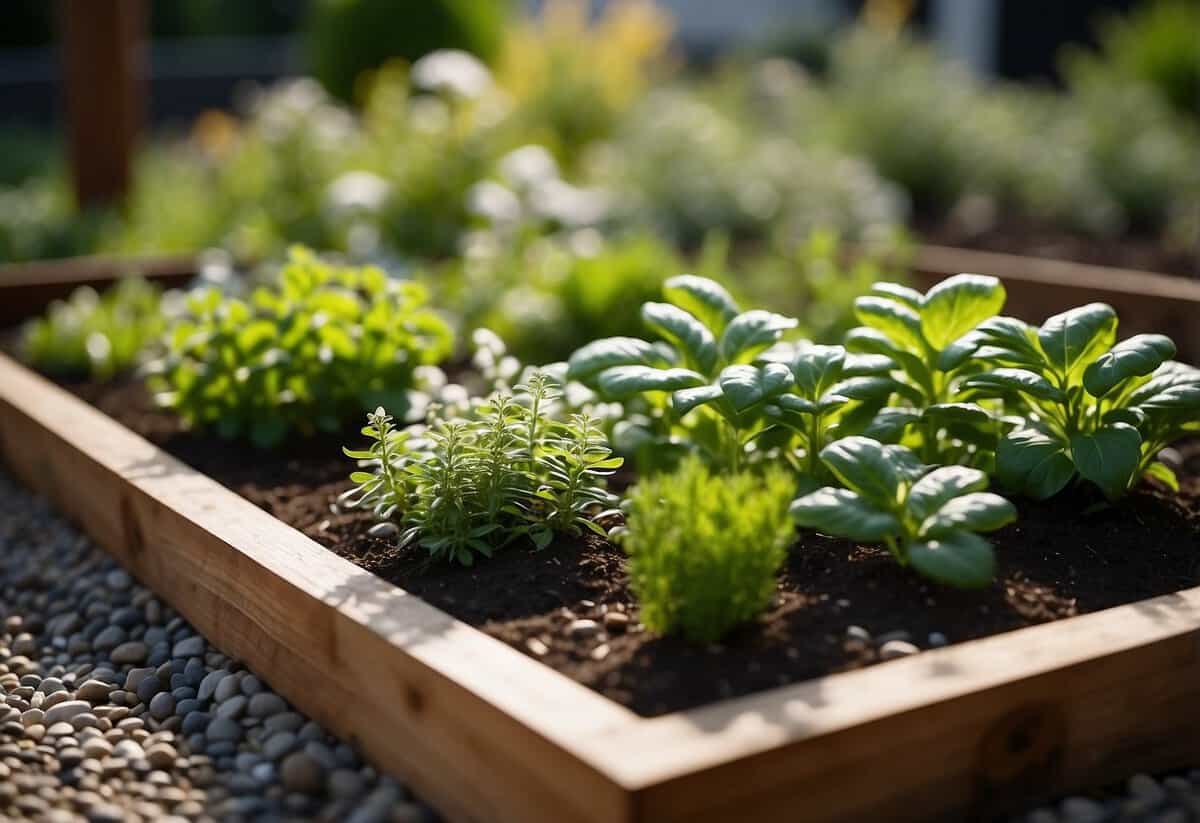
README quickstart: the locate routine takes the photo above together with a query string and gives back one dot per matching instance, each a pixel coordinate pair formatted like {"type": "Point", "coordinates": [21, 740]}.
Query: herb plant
{"type": "Point", "coordinates": [927, 518]}
{"type": "Point", "coordinates": [308, 353]}
{"type": "Point", "coordinates": [1094, 408]}
{"type": "Point", "coordinates": [469, 486]}
{"type": "Point", "coordinates": [835, 394]}
{"type": "Point", "coordinates": [96, 335]}
{"type": "Point", "coordinates": [928, 337]}
{"type": "Point", "coordinates": [707, 362]}
{"type": "Point", "coordinates": [704, 549]}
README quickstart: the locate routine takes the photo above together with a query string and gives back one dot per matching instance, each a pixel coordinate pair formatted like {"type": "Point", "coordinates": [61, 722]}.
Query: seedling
{"type": "Point", "coordinates": [927, 517]}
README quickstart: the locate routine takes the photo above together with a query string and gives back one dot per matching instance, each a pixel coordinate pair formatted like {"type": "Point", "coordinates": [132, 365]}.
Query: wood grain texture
{"type": "Point", "coordinates": [486, 733]}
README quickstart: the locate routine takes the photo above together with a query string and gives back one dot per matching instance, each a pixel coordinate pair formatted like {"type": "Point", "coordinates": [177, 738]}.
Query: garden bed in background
{"type": "Point", "coordinates": [558, 605]}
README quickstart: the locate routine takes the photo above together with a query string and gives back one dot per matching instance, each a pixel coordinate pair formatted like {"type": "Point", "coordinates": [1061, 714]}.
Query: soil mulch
{"type": "Point", "coordinates": [1056, 561]}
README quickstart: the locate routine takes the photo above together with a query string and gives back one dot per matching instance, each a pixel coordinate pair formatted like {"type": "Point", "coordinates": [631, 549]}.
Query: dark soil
{"type": "Point", "coordinates": [1056, 561]}
{"type": "Point", "coordinates": [1013, 234]}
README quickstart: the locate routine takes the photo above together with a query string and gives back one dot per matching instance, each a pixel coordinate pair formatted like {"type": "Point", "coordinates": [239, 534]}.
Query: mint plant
{"type": "Point", "coordinates": [928, 336]}
{"type": "Point", "coordinates": [706, 360]}
{"type": "Point", "coordinates": [463, 487]}
{"type": "Point", "coordinates": [704, 549]}
{"type": "Point", "coordinates": [1093, 408]}
{"type": "Point", "coordinates": [927, 517]}
{"type": "Point", "coordinates": [96, 335]}
{"type": "Point", "coordinates": [307, 353]}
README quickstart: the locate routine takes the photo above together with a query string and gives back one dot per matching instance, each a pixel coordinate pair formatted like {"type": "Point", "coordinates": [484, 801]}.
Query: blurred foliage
{"type": "Point", "coordinates": [349, 37]}
{"type": "Point", "coordinates": [89, 335]}
{"type": "Point", "coordinates": [571, 82]}
{"type": "Point", "coordinates": [1157, 44]}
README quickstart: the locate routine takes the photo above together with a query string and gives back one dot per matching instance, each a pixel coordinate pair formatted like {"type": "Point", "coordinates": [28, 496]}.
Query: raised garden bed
{"type": "Point", "coordinates": [963, 730]}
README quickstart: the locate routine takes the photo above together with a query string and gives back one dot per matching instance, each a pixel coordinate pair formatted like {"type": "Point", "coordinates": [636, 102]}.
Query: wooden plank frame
{"type": "Point", "coordinates": [484, 732]}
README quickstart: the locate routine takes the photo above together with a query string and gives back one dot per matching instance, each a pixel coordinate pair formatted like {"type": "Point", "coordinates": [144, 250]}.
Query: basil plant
{"type": "Point", "coordinates": [705, 367]}
{"type": "Point", "coordinates": [928, 338]}
{"type": "Point", "coordinates": [927, 517]}
{"type": "Point", "coordinates": [1093, 408]}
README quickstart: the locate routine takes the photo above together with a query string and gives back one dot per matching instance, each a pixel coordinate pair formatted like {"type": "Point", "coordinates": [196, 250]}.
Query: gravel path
{"type": "Point", "coordinates": [112, 708]}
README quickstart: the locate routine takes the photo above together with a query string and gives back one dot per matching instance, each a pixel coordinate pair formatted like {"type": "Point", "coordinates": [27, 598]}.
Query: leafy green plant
{"type": "Point", "coordinates": [307, 353]}
{"type": "Point", "coordinates": [835, 394]}
{"type": "Point", "coordinates": [469, 486]}
{"type": "Point", "coordinates": [704, 549]}
{"type": "Point", "coordinates": [927, 517]}
{"type": "Point", "coordinates": [707, 361]}
{"type": "Point", "coordinates": [928, 336]}
{"type": "Point", "coordinates": [1094, 408]}
{"type": "Point", "coordinates": [96, 335]}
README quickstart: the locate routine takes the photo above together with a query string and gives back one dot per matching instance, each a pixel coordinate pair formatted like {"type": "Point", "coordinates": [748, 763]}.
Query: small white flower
{"type": "Point", "coordinates": [493, 202]}
{"type": "Point", "coordinates": [453, 72]}
{"type": "Point", "coordinates": [528, 166]}
{"type": "Point", "coordinates": [358, 191]}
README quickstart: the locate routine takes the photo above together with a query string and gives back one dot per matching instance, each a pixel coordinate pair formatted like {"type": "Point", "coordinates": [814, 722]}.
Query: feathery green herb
{"type": "Point", "coordinates": [469, 486]}
{"type": "Point", "coordinates": [704, 549]}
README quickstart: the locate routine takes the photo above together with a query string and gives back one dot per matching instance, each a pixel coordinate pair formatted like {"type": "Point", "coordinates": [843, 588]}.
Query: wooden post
{"type": "Point", "coordinates": [104, 76]}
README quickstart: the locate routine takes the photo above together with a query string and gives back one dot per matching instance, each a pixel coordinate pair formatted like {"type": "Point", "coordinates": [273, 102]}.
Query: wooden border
{"type": "Point", "coordinates": [486, 733]}
{"type": "Point", "coordinates": [1037, 288]}
{"type": "Point", "coordinates": [27, 288]}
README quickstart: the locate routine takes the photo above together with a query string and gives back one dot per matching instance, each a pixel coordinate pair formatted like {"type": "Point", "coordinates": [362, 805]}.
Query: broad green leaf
{"type": "Point", "coordinates": [684, 331]}
{"type": "Point", "coordinates": [612, 351]}
{"type": "Point", "coordinates": [1181, 395]}
{"type": "Point", "coordinates": [1163, 474]}
{"type": "Point", "coordinates": [1169, 376]}
{"type": "Point", "coordinates": [746, 386]}
{"type": "Point", "coordinates": [861, 365]}
{"type": "Point", "coordinates": [866, 388]}
{"type": "Point", "coordinates": [844, 514]}
{"type": "Point", "coordinates": [890, 422]}
{"type": "Point", "coordinates": [901, 294]}
{"type": "Point", "coordinates": [969, 413]}
{"type": "Point", "coordinates": [999, 382]}
{"type": "Point", "coordinates": [958, 559]}
{"type": "Point", "coordinates": [869, 341]}
{"type": "Point", "coordinates": [957, 305]}
{"type": "Point", "coordinates": [941, 485]}
{"type": "Point", "coordinates": [1138, 356]}
{"type": "Point", "coordinates": [896, 320]}
{"type": "Point", "coordinates": [1108, 457]}
{"type": "Point", "coordinates": [975, 512]}
{"type": "Point", "coordinates": [866, 466]}
{"type": "Point", "coordinates": [816, 368]}
{"type": "Point", "coordinates": [794, 403]}
{"type": "Point", "coordinates": [1008, 341]}
{"type": "Point", "coordinates": [684, 400]}
{"type": "Point", "coordinates": [1033, 463]}
{"type": "Point", "coordinates": [704, 298]}
{"type": "Point", "coordinates": [1075, 338]}
{"type": "Point", "coordinates": [625, 381]}
{"type": "Point", "coordinates": [752, 332]}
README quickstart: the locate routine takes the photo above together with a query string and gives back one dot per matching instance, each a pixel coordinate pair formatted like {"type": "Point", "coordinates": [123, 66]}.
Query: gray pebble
{"type": "Point", "coordinates": [209, 684]}
{"type": "Point", "coordinates": [265, 704]}
{"type": "Point", "coordinates": [299, 772]}
{"type": "Point", "coordinates": [94, 691]}
{"type": "Point", "coordinates": [896, 648]}
{"type": "Point", "coordinates": [162, 706]}
{"type": "Point", "coordinates": [223, 729]}
{"type": "Point", "coordinates": [129, 653]}
{"type": "Point", "coordinates": [189, 647]}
